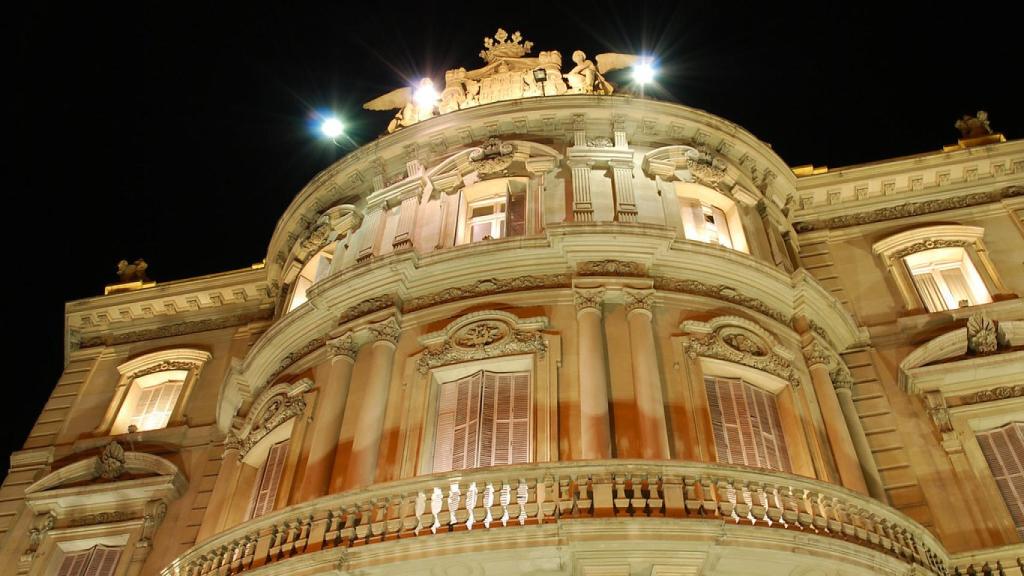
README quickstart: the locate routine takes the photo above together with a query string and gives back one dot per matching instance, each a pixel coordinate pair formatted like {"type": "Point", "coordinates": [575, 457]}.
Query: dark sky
{"type": "Point", "coordinates": [179, 132]}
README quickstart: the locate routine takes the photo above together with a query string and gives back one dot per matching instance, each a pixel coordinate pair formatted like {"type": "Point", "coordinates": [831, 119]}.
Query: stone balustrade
{"type": "Point", "coordinates": [507, 497]}
{"type": "Point", "coordinates": [1000, 561]}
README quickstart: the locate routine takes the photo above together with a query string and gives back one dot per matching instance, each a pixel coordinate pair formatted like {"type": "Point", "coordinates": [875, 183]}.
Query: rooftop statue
{"type": "Point", "coordinates": [508, 74]}
{"type": "Point", "coordinates": [974, 126]}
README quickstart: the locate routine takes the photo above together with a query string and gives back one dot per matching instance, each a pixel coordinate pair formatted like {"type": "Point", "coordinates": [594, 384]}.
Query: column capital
{"type": "Point", "coordinates": [639, 300]}
{"type": "Point", "coordinates": [232, 444]}
{"type": "Point", "coordinates": [588, 298]}
{"type": "Point", "coordinates": [841, 377]}
{"type": "Point", "coordinates": [385, 331]}
{"type": "Point", "coordinates": [344, 345]}
{"type": "Point", "coordinates": [816, 354]}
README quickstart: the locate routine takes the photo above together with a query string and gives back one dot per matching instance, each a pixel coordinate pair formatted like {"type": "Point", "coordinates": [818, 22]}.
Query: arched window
{"type": "Point", "coordinates": [153, 390]}
{"type": "Point", "coordinates": [746, 424]}
{"type": "Point", "coordinates": [314, 270]}
{"type": "Point", "coordinates": [710, 216]}
{"type": "Point", "coordinates": [946, 279]}
{"type": "Point", "coordinates": [492, 209]}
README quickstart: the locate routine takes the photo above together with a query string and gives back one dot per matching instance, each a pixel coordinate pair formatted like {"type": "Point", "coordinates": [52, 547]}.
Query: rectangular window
{"type": "Point", "coordinates": [155, 404]}
{"type": "Point", "coordinates": [96, 561]}
{"type": "Point", "coordinates": [1004, 451]}
{"type": "Point", "coordinates": [746, 424]}
{"type": "Point", "coordinates": [483, 420]}
{"type": "Point", "coordinates": [269, 479]}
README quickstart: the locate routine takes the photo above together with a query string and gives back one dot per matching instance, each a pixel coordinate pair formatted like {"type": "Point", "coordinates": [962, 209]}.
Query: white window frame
{"type": "Point", "coordinates": [491, 193]}
{"type": "Point", "coordinates": [704, 212]}
{"type": "Point", "coordinates": [183, 364]}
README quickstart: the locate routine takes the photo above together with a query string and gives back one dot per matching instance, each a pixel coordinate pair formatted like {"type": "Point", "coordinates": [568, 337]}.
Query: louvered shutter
{"type": "Point", "coordinates": [74, 563]}
{"type": "Point", "coordinates": [505, 419]}
{"type": "Point", "coordinates": [516, 216]}
{"type": "Point", "coordinates": [103, 561]}
{"type": "Point", "coordinates": [1004, 450]}
{"type": "Point", "coordinates": [746, 424]}
{"type": "Point", "coordinates": [721, 227]}
{"type": "Point", "coordinates": [456, 443]}
{"type": "Point", "coordinates": [270, 478]}
{"type": "Point", "coordinates": [693, 213]}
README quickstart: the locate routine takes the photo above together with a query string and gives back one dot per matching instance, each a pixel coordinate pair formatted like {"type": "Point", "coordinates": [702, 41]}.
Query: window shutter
{"type": "Point", "coordinates": [516, 218]}
{"type": "Point", "coordinates": [444, 439]}
{"type": "Point", "coordinates": [74, 563]}
{"type": "Point", "coordinates": [103, 561]}
{"type": "Point", "coordinates": [505, 420]}
{"type": "Point", "coordinates": [694, 214]}
{"type": "Point", "coordinates": [721, 226]}
{"type": "Point", "coordinates": [1004, 450]}
{"type": "Point", "coordinates": [746, 425]}
{"type": "Point", "coordinates": [270, 478]}
{"type": "Point", "coordinates": [519, 450]}
{"type": "Point", "coordinates": [458, 424]}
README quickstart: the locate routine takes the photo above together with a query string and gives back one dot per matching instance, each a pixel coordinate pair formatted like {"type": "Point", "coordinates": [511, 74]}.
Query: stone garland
{"type": "Point", "coordinates": [487, 287]}
{"type": "Point", "coordinates": [718, 292]}
{"type": "Point", "coordinates": [455, 351]}
{"type": "Point", "coordinates": [998, 393]}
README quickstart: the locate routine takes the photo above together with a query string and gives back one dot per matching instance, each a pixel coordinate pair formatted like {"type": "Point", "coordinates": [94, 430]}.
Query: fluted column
{"type": "Point", "coordinates": [843, 383]}
{"type": "Point", "coordinates": [650, 401]}
{"type": "Point", "coordinates": [582, 205]}
{"type": "Point", "coordinates": [625, 202]}
{"type": "Point", "coordinates": [326, 430]}
{"type": "Point", "coordinates": [380, 353]}
{"type": "Point", "coordinates": [595, 432]}
{"type": "Point", "coordinates": [836, 428]}
{"type": "Point", "coordinates": [223, 489]}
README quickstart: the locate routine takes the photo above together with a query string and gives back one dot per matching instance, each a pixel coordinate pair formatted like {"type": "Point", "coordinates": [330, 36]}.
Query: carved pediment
{"type": "Point", "coordinates": [274, 406]}
{"type": "Point", "coordinates": [485, 334]}
{"type": "Point", "coordinates": [113, 462]}
{"type": "Point", "coordinates": [741, 341]}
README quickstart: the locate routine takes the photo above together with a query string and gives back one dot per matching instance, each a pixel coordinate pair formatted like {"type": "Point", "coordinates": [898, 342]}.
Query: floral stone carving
{"type": "Point", "coordinates": [981, 335]}
{"type": "Point", "coordinates": [110, 463]}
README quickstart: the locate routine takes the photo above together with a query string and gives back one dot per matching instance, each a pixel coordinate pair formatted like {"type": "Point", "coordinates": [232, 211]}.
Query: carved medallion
{"type": "Point", "coordinates": [480, 334]}
{"type": "Point", "coordinates": [492, 156]}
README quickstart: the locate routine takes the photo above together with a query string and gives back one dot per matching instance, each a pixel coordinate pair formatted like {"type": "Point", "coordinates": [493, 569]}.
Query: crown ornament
{"type": "Point", "coordinates": [503, 46]}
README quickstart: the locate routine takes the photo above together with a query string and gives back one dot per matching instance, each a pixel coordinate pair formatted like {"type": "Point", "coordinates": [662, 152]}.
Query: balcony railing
{"type": "Point", "coordinates": [506, 497]}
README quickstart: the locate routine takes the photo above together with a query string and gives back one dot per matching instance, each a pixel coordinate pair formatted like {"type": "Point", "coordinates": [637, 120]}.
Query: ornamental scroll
{"type": "Point", "coordinates": [273, 407]}
{"type": "Point", "coordinates": [479, 335]}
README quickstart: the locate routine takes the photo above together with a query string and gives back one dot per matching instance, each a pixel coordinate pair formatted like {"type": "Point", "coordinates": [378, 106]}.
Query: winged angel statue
{"type": "Point", "coordinates": [507, 75]}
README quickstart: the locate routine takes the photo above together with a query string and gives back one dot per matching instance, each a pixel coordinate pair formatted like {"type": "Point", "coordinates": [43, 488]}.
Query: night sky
{"type": "Point", "coordinates": [180, 132]}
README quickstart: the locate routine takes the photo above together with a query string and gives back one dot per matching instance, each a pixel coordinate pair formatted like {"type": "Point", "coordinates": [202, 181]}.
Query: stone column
{"type": "Point", "coordinates": [406, 222]}
{"type": "Point", "coordinates": [380, 352]}
{"type": "Point", "coordinates": [622, 177]}
{"type": "Point", "coordinates": [327, 421]}
{"type": "Point", "coordinates": [223, 488]}
{"type": "Point", "coordinates": [843, 383]}
{"type": "Point", "coordinates": [835, 423]}
{"type": "Point", "coordinates": [368, 233]}
{"type": "Point", "coordinates": [595, 429]}
{"type": "Point", "coordinates": [650, 401]}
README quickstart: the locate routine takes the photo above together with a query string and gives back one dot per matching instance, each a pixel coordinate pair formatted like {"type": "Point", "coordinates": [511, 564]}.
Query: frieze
{"type": "Point", "coordinates": [909, 209]}
{"type": "Point", "coordinates": [179, 329]}
{"type": "Point", "coordinates": [998, 393]}
{"type": "Point", "coordinates": [927, 245]}
{"type": "Point", "coordinates": [611, 268]}
{"type": "Point", "coordinates": [367, 306]}
{"type": "Point", "coordinates": [488, 287]}
{"type": "Point", "coordinates": [100, 518]}
{"type": "Point", "coordinates": [718, 292]}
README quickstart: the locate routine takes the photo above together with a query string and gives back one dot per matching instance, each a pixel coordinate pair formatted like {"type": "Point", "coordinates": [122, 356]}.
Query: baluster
{"type": "Point", "coordinates": [348, 532]}
{"type": "Point", "coordinates": [565, 496]}
{"type": "Point", "coordinates": [522, 497]}
{"type": "Point", "coordinates": [773, 505]}
{"type": "Point", "coordinates": [504, 498]}
{"type": "Point", "coordinates": [393, 518]}
{"type": "Point", "coordinates": [620, 503]}
{"type": "Point", "coordinates": [542, 492]}
{"type": "Point", "coordinates": [790, 508]}
{"type": "Point", "coordinates": [378, 525]}
{"type": "Point", "coordinates": [454, 496]}
{"type": "Point", "coordinates": [584, 502]}
{"type": "Point", "coordinates": [759, 504]}
{"type": "Point", "coordinates": [807, 512]}
{"type": "Point", "coordinates": [710, 495]}
{"type": "Point", "coordinates": [637, 501]}
{"type": "Point", "coordinates": [488, 503]}
{"type": "Point", "coordinates": [655, 496]}
{"type": "Point", "coordinates": [727, 499]}
{"type": "Point", "coordinates": [470, 504]}
{"type": "Point", "coordinates": [421, 507]}
{"type": "Point", "coordinates": [821, 517]}
{"type": "Point", "coordinates": [436, 502]}
{"type": "Point", "coordinates": [746, 498]}
{"type": "Point", "coordinates": [363, 522]}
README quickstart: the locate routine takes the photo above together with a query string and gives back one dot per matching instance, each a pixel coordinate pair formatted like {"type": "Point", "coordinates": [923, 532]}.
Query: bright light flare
{"type": "Point", "coordinates": [425, 94]}
{"type": "Point", "coordinates": [643, 72]}
{"type": "Point", "coordinates": [332, 127]}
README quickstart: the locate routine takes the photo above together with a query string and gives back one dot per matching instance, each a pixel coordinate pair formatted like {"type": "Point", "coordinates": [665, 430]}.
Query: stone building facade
{"type": "Point", "coordinates": [568, 332]}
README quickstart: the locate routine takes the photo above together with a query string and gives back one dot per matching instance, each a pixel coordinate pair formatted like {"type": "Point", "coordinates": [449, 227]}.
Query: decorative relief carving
{"type": "Point", "coordinates": [585, 298]}
{"type": "Point", "coordinates": [998, 393]}
{"type": "Point", "coordinates": [367, 306]}
{"type": "Point", "coordinates": [935, 403]}
{"type": "Point", "coordinates": [344, 345]}
{"type": "Point", "coordinates": [841, 377]}
{"type": "Point", "coordinates": [492, 156]}
{"type": "Point", "coordinates": [713, 346]}
{"type": "Point", "coordinates": [928, 245]}
{"type": "Point", "coordinates": [385, 331]}
{"type": "Point", "coordinates": [166, 366]}
{"type": "Point", "coordinates": [600, 142]}
{"type": "Point", "coordinates": [981, 335]}
{"type": "Point", "coordinates": [741, 343]}
{"type": "Point", "coordinates": [44, 524]}
{"type": "Point", "coordinates": [318, 238]}
{"type": "Point", "coordinates": [274, 407]}
{"type": "Point", "coordinates": [909, 209]}
{"type": "Point", "coordinates": [816, 354]}
{"type": "Point", "coordinates": [453, 351]}
{"type": "Point", "coordinates": [100, 518]}
{"type": "Point", "coordinates": [718, 292]}
{"type": "Point", "coordinates": [110, 463]}
{"type": "Point", "coordinates": [707, 169]}
{"type": "Point", "coordinates": [638, 299]}
{"type": "Point", "coordinates": [480, 334]}
{"type": "Point", "coordinates": [610, 268]}
{"type": "Point", "coordinates": [488, 287]}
